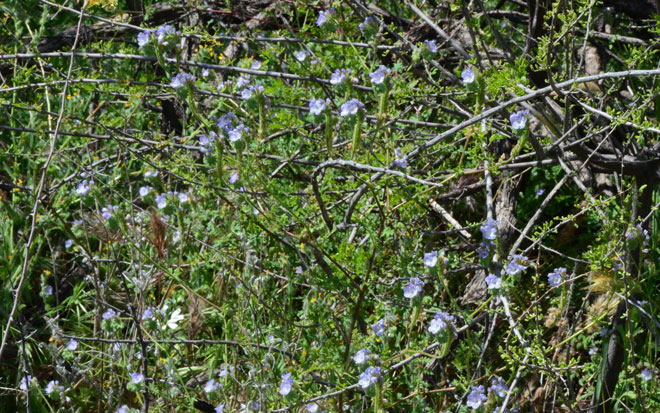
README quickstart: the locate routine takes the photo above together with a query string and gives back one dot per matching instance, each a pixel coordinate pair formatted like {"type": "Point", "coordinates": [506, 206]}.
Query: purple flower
{"type": "Point", "coordinates": [555, 277]}
{"type": "Point", "coordinates": [52, 386]}
{"type": "Point", "coordinates": [400, 161]}
{"type": "Point", "coordinates": [183, 197]}
{"type": "Point", "coordinates": [144, 191]}
{"type": "Point", "coordinates": [161, 201]}
{"type": "Point", "coordinates": [489, 229]}
{"type": "Point", "coordinates": [378, 76]}
{"type": "Point", "coordinates": [468, 76]}
{"type": "Point", "coordinates": [518, 119]}
{"type": "Point", "coordinates": [137, 378]}
{"type": "Point", "coordinates": [516, 265]}
{"type": "Point", "coordinates": [301, 55]}
{"type": "Point", "coordinates": [220, 408]}
{"type": "Point", "coordinates": [299, 270]}
{"type": "Point", "coordinates": [431, 46]}
{"type": "Point", "coordinates": [211, 386]}
{"type": "Point", "coordinates": [205, 72]}
{"type": "Point", "coordinates": [477, 397]}
{"type": "Point", "coordinates": [413, 288]}
{"type": "Point", "coordinates": [226, 121]}
{"type": "Point", "coordinates": [84, 187]}
{"type": "Point", "coordinates": [379, 327]}
{"type": "Point", "coordinates": [431, 258]}
{"type": "Point", "coordinates": [493, 281]}
{"type": "Point", "coordinates": [143, 37]}
{"type": "Point", "coordinates": [339, 76]}
{"type": "Point", "coordinates": [368, 21]}
{"type": "Point", "coordinates": [233, 177]}
{"type": "Point", "coordinates": [287, 383]}
{"type": "Point", "coordinates": [647, 374]}
{"type": "Point", "coordinates": [370, 376]}
{"type": "Point", "coordinates": [498, 386]}
{"type": "Point", "coordinates": [246, 93]}
{"type": "Point", "coordinates": [484, 249]}
{"type": "Point", "coordinates": [72, 345]}
{"type": "Point", "coordinates": [350, 108]}
{"type": "Point", "coordinates": [162, 32]}
{"type": "Point", "coordinates": [317, 106]}
{"type": "Point", "coordinates": [123, 409]}
{"type": "Point", "coordinates": [242, 80]}
{"type": "Point", "coordinates": [181, 79]}
{"type": "Point", "coordinates": [438, 323]}
{"type": "Point", "coordinates": [237, 133]}
{"type": "Point", "coordinates": [540, 192]}
{"type": "Point", "coordinates": [312, 407]}
{"type": "Point", "coordinates": [106, 212]}
{"type": "Point", "coordinates": [593, 350]}
{"type": "Point", "coordinates": [48, 291]}
{"type": "Point", "coordinates": [256, 65]}
{"type": "Point", "coordinates": [110, 313]}
{"type": "Point", "coordinates": [361, 356]}
{"type": "Point", "coordinates": [150, 174]}
{"type": "Point", "coordinates": [25, 382]}
{"type": "Point", "coordinates": [323, 16]}
{"type": "Point", "coordinates": [68, 243]}
{"type": "Point", "coordinates": [148, 313]}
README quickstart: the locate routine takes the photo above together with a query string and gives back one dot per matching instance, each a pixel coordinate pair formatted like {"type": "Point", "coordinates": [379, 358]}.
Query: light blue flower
{"type": "Point", "coordinates": [647, 374]}
{"type": "Point", "coordinates": [339, 76]}
{"type": "Point", "coordinates": [25, 383]}
{"type": "Point", "coordinates": [555, 277]}
{"type": "Point", "coordinates": [498, 386]}
{"type": "Point", "coordinates": [477, 397]}
{"type": "Point", "coordinates": [110, 313]}
{"type": "Point", "coordinates": [205, 72]}
{"type": "Point", "coordinates": [211, 386]}
{"type": "Point", "coordinates": [317, 106]}
{"type": "Point", "coordinates": [181, 79]}
{"type": "Point", "coordinates": [350, 108]}
{"type": "Point", "coordinates": [256, 65]}
{"type": "Point", "coordinates": [378, 76]}
{"type": "Point", "coordinates": [237, 133]}
{"type": "Point", "coordinates": [368, 21]}
{"type": "Point", "coordinates": [84, 187]}
{"type": "Point", "coordinates": [494, 282]}
{"type": "Point", "coordinates": [52, 386]}
{"type": "Point", "coordinates": [301, 55]}
{"type": "Point", "coordinates": [137, 378]}
{"type": "Point", "coordinates": [143, 37]}
{"type": "Point", "coordinates": [220, 408]}
{"type": "Point", "coordinates": [400, 161]}
{"type": "Point", "coordinates": [123, 409]}
{"type": "Point", "coordinates": [323, 16]}
{"type": "Point", "coordinates": [233, 177]}
{"type": "Point", "coordinates": [518, 119]}
{"type": "Point", "coordinates": [183, 197]}
{"type": "Point", "coordinates": [68, 243]}
{"type": "Point", "coordinates": [540, 192]}
{"type": "Point", "coordinates": [484, 249]}
{"type": "Point", "coordinates": [370, 376]}
{"type": "Point", "coordinates": [431, 258]}
{"type": "Point", "coordinates": [148, 313]}
{"type": "Point", "coordinates": [593, 350]}
{"type": "Point", "coordinates": [439, 322]}
{"type": "Point", "coordinates": [413, 288]}
{"type": "Point", "coordinates": [516, 265]}
{"type": "Point", "coordinates": [226, 121]}
{"type": "Point", "coordinates": [379, 327]}
{"type": "Point", "coordinates": [162, 32]}
{"type": "Point", "coordinates": [431, 46]}
{"type": "Point", "coordinates": [489, 229]}
{"type": "Point", "coordinates": [72, 345]}
{"type": "Point", "coordinates": [287, 383]}
{"type": "Point", "coordinates": [468, 76]}
{"type": "Point", "coordinates": [150, 174]}
{"type": "Point", "coordinates": [361, 356]}
{"type": "Point", "coordinates": [312, 407]}
{"type": "Point", "coordinates": [106, 212]}
{"type": "Point", "coordinates": [161, 201]}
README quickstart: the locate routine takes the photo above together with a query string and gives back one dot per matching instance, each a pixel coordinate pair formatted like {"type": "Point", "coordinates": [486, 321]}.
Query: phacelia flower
{"type": "Point", "coordinates": [439, 322]}
{"type": "Point", "coordinates": [233, 177]}
{"type": "Point", "coordinates": [484, 249]}
{"type": "Point", "coordinates": [516, 265]}
{"type": "Point", "coordinates": [593, 350]}
{"type": "Point", "coordinates": [379, 327]}
{"type": "Point", "coordinates": [25, 382]}
{"type": "Point", "coordinates": [181, 79]}
{"type": "Point", "coordinates": [317, 106]}
{"type": "Point", "coordinates": [350, 108]}
{"type": "Point", "coordinates": [48, 291]}
{"type": "Point", "coordinates": [301, 55]}
{"type": "Point", "coordinates": [144, 191]}
{"type": "Point", "coordinates": [220, 408]}
{"type": "Point", "coordinates": [211, 386]}
{"type": "Point", "coordinates": [137, 378]}
{"type": "Point", "coordinates": [312, 407]}
{"type": "Point", "coordinates": [110, 313]}
{"type": "Point", "coordinates": [555, 277]}
{"type": "Point", "coordinates": [243, 80]}
{"type": "Point", "coordinates": [498, 386]}
{"type": "Point", "coordinates": [150, 174]}
{"type": "Point", "coordinates": [518, 119]}
{"type": "Point", "coordinates": [72, 345]}
{"type": "Point", "coordinates": [161, 201]}
{"type": "Point", "coordinates": [431, 46]}
{"type": "Point", "coordinates": [162, 32]}
{"type": "Point", "coordinates": [68, 243]}
{"type": "Point", "coordinates": [148, 313]}
{"type": "Point", "coordinates": [183, 197]}
{"type": "Point", "coordinates": [323, 16]}
{"type": "Point", "coordinates": [361, 356]}
{"type": "Point", "coordinates": [237, 133]}
{"type": "Point", "coordinates": [493, 281]}
{"type": "Point", "coordinates": [287, 383]}
{"type": "Point", "coordinates": [401, 161]}
{"type": "Point", "coordinates": [477, 397]}
{"type": "Point", "coordinates": [368, 21]}
{"type": "Point", "coordinates": [378, 75]}
{"type": "Point", "coordinates": [106, 212]}
{"type": "Point", "coordinates": [647, 374]}
{"type": "Point", "coordinates": [143, 37]}
{"type": "Point", "coordinates": [489, 229]}
{"type": "Point", "coordinates": [123, 409]}
{"type": "Point", "coordinates": [226, 121]}
{"type": "Point", "coordinates": [84, 187]}
{"type": "Point", "coordinates": [468, 76]}
{"type": "Point", "coordinates": [205, 72]}
{"type": "Point", "coordinates": [370, 376]}
{"type": "Point", "coordinates": [431, 258]}
{"type": "Point", "coordinates": [413, 288]}
{"type": "Point", "coordinates": [339, 76]}
{"type": "Point", "coordinates": [52, 386]}
{"type": "Point", "coordinates": [256, 65]}
{"type": "Point", "coordinates": [540, 192]}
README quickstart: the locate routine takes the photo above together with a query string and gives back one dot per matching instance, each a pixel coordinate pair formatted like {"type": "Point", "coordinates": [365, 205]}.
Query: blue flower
{"type": "Point", "coordinates": [516, 265]}
{"type": "Point", "coordinates": [226, 121]}
{"type": "Point", "coordinates": [323, 16]}
{"type": "Point", "coordinates": [378, 76]}
{"type": "Point", "coordinates": [123, 409]}
{"type": "Point", "coordinates": [150, 174]}
{"type": "Point", "coordinates": [368, 21]}
{"type": "Point", "coordinates": [148, 313]}
{"type": "Point", "coordinates": [484, 249]}
{"type": "Point", "coordinates": [233, 177]}
{"type": "Point", "coordinates": [370, 376]}
{"type": "Point", "coordinates": [161, 201]}
{"type": "Point", "coordinates": [468, 76]}
{"type": "Point", "coordinates": [361, 356]}
{"type": "Point", "coordinates": [183, 197]}
{"type": "Point", "coordinates": [137, 378]}
{"type": "Point", "coordinates": [431, 258]}
{"type": "Point", "coordinates": [317, 106]}
{"type": "Point", "coordinates": [237, 133]}
{"type": "Point", "coordinates": [350, 108]}
{"type": "Point", "coordinates": [72, 345]}
{"type": "Point", "coordinates": [593, 350]}
{"type": "Point", "coordinates": [477, 397]}
{"type": "Point", "coordinates": [242, 80]}
{"type": "Point", "coordinates": [555, 277]}
{"type": "Point", "coordinates": [52, 386]}
{"type": "Point", "coordinates": [106, 212]}
{"type": "Point", "coordinates": [181, 79]}
{"type": "Point", "coordinates": [205, 72]}
{"type": "Point", "coordinates": [518, 119]}
{"type": "Point", "coordinates": [400, 161]}
{"type": "Point", "coordinates": [144, 191]}
{"type": "Point", "coordinates": [413, 288]}
{"type": "Point", "coordinates": [339, 76]}
{"type": "Point", "coordinates": [540, 192]}
{"type": "Point", "coordinates": [431, 46]}
{"type": "Point", "coordinates": [211, 386]}
{"type": "Point", "coordinates": [68, 243]}
{"type": "Point", "coordinates": [312, 408]}
{"type": "Point", "coordinates": [493, 281]}
{"type": "Point", "coordinates": [379, 327]}
{"type": "Point", "coordinates": [220, 408]}
{"type": "Point", "coordinates": [498, 386]}
{"type": "Point", "coordinates": [489, 229]}
{"type": "Point", "coordinates": [143, 37]}
{"type": "Point", "coordinates": [647, 374]}
{"type": "Point", "coordinates": [25, 382]}
{"type": "Point", "coordinates": [162, 32]}
{"type": "Point", "coordinates": [110, 313]}
{"type": "Point", "coordinates": [84, 187]}
{"type": "Point", "coordinates": [287, 383]}
{"type": "Point", "coordinates": [256, 65]}
{"type": "Point", "coordinates": [439, 322]}
{"type": "Point", "coordinates": [301, 55]}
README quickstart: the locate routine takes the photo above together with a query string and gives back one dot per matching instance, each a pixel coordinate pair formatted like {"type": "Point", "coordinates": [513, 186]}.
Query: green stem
{"type": "Point", "coordinates": [262, 116]}
{"type": "Point", "coordinates": [328, 131]}
{"type": "Point", "coordinates": [357, 130]}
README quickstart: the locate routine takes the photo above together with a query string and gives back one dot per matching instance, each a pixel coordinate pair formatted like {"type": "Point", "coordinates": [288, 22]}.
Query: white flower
{"type": "Point", "coordinates": [174, 320]}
